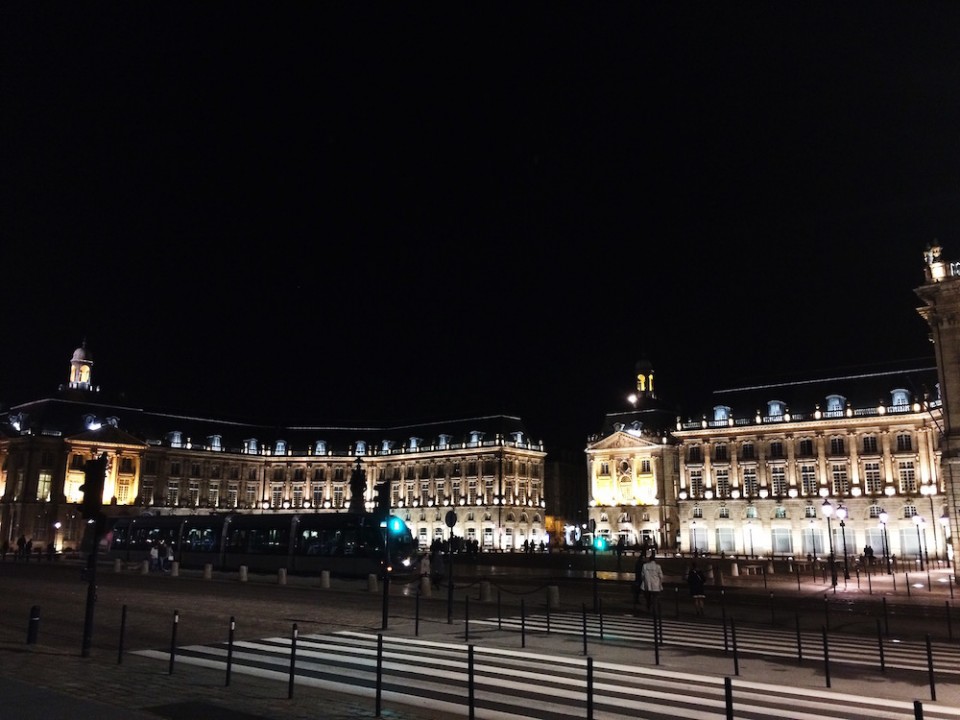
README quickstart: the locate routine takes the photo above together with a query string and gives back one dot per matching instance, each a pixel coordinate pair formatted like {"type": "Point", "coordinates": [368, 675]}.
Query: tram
{"type": "Point", "coordinates": [345, 544]}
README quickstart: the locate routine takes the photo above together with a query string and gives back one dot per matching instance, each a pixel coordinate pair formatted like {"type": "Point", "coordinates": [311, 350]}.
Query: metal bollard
{"type": "Point", "coordinates": [282, 576]}
{"type": "Point", "coordinates": [325, 579]}
{"type": "Point", "coordinates": [175, 568]}
{"type": "Point", "coordinates": [34, 625]}
{"type": "Point", "coordinates": [372, 585]}
{"type": "Point", "coordinates": [243, 573]}
{"type": "Point", "coordinates": [118, 566]}
{"type": "Point", "coordinates": [145, 567]}
{"type": "Point", "coordinates": [553, 597]}
{"type": "Point", "coordinates": [208, 571]}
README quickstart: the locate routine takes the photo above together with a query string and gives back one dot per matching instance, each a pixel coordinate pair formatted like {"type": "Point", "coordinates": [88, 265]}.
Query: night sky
{"type": "Point", "coordinates": [382, 213]}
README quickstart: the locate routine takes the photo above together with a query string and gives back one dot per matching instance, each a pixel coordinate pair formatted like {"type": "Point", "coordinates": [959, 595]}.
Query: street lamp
{"type": "Point", "coordinates": [827, 509]}
{"type": "Point", "coordinates": [693, 531]}
{"type": "Point", "coordinates": [750, 528]}
{"type": "Point", "coordinates": [918, 521]}
{"type": "Point", "coordinates": [886, 547]}
{"type": "Point", "coordinates": [842, 514]}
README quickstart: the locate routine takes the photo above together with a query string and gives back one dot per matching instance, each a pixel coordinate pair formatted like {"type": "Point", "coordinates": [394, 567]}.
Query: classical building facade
{"type": "Point", "coordinates": [485, 469]}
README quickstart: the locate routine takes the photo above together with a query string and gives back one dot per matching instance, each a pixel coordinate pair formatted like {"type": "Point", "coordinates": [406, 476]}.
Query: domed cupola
{"type": "Point", "coordinates": [81, 365]}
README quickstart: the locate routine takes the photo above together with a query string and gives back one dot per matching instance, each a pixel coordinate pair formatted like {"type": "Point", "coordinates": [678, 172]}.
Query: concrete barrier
{"type": "Point", "coordinates": [243, 573]}
{"type": "Point", "coordinates": [553, 597]}
{"type": "Point", "coordinates": [208, 571]}
{"type": "Point", "coordinates": [118, 565]}
{"type": "Point", "coordinates": [175, 569]}
{"type": "Point", "coordinates": [486, 593]}
{"type": "Point", "coordinates": [282, 576]}
{"type": "Point", "coordinates": [325, 579]}
{"type": "Point", "coordinates": [372, 584]}
{"type": "Point", "coordinates": [426, 588]}
{"type": "Point", "coordinates": [145, 567]}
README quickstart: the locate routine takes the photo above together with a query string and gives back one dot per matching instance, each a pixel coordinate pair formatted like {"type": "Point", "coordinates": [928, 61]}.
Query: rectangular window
{"type": "Point", "coordinates": [809, 511]}
{"type": "Point", "coordinates": [318, 474]}
{"type": "Point", "coordinates": [806, 447]}
{"type": "Point", "coordinates": [904, 443]}
{"type": "Point", "coordinates": [175, 468]}
{"type": "Point", "coordinates": [194, 469]}
{"type": "Point", "coordinates": [276, 496]}
{"type": "Point", "coordinates": [213, 494]}
{"type": "Point", "coordinates": [250, 496]}
{"type": "Point", "coordinates": [698, 539]}
{"type": "Point", "coordinates": [780, 513]}
{"type": "Point", "coordinates": [126, 465]}
{"type": "Point", "coordinates": [645, 466]}
{"type": "Point", "coordinates": [43, 486]}
{"type": "Point", "coordinates": [747, 451]}
{"type": "Point", "coordinates": [870, 445]}
{"type": "Point", "coordinates": [778, 480]}
{"type": "Point", "coordinates": [720, 452]}
{"type": "Point", "coordinates": [173, 493]}
{"type": "Point", "coordinates": [841, 483]}
{"type": "Point", "coordinates": [723, 483]}
{"type": "Point", "coordinates": [724, 513]}
{"type": "Point", "coordinates": [808, 479]}
{"type": "Point", "coordinates": [872, 478]}
{"type": "Point", "coordinates": [338, 495]}
{"type": "Point", "coordinates": [123, 491]}
{"type": "Point", "coordinates": [726, 540]}
{"type": "Point", "coordinates": [908, 476]}
{"type": "Point", "coordinates": [233, 495]}
{"type": "Point", "coordinates": [298, 474]}
{"type": "Point", "coordinates": [752, 512]}
{"type": "Point", "coordinates": [696, 483]}
{"type": "Point", "coordinates": [194, 493]}
{"type": "Point", "coordinates": [695, 455]}
{"type": "Point", "coordinates": [812, 539]}
{"type": "Point", "coordinates": [837, 446]}
{"type": "Point", "coordinates": [604, 468]}
{"type": "Point", "coordinates": [750, 481]}
{"type": "Point", "coordinates": [317, 496]}
{"type": "Point", "coordinates": [78, 461]}
{"type": "Point", "coordinates": [776, 449]}
{"type": "Point", "coordinates": [781, 540]}
{"type": "Point", "coordinates": [297, 497]}
{"type": "Point", "coordinates": [698, 512]}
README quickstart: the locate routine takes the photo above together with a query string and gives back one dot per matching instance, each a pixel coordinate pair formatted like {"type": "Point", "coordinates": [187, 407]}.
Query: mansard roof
{"type": "Point", "coordinates": [859, 389]}
{"type": "Point", "coordinates": [68, 417]}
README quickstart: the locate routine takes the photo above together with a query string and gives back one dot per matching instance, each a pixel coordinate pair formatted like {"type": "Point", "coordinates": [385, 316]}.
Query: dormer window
{"type": "Point", "coordinates": [320, 447]}
{"type": "Point", "coordinates": [618, 427]}
{"type": "Point", "coordinates": [899, 397]}
{"type": "Point", "coordinates": [175, 438]}
{"type": "Point", "coordinates": [250, 446]}
{"type": "Point", "coordinates": [385, 447]}
{"type": "Point", "coordinates": [444, 441]}
{"type": "Point", "coordinates": [215, 442]}
{"type": "Point", "coordinates": [415, 443]}
{"type": "Point", "coordinates": [517, 437]}
{"type": "Point", "coordinates": [775, 408]}
{"type": "Point", "coordinates": [476, 437]}
{"type": "Point", "coordinates": [113, 421]}
{"type": "Point", "coordinates": [721, 413]}
{"type": "Point", "coordinates": [361, 447]}
{"type": "Point", "coordinates": [280, 447]}
{"type": "Point", "coordinates": [836, 403]}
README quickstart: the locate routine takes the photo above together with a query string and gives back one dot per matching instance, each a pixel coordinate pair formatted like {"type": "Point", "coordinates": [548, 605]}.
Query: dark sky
{"type": "Point", "coordinates": [337, 212]}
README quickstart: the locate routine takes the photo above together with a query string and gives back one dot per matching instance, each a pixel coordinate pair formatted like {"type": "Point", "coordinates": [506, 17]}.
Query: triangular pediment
{"type": "Point", "coordinates": [621, 440]}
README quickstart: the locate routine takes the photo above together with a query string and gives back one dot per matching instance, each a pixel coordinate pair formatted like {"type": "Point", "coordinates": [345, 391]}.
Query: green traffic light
{"type": "Point", "coordinates": [600, 543]}
{"type": "Point", "coordinates": [395, 525]}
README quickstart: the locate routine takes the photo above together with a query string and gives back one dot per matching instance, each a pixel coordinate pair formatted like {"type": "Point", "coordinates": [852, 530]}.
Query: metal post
{"type": "Point", "coordinates": [728, 697]}
{"type": "Point", "coordinates": [933, 684]}
{"type": "Point", "coordinates": [796, 617]}
{"type": "Point", "coordinates": [736, 657]}
{"type": "Point", "coordinates": [123, 631]}
{"type": "Point", "coordinates": [883, 662]}
{"type": "Point", "coordinates": [233, 626]}
{"type": "Point", "coordinates": [470, 681]}
{"type": "Point", "coordinates": [584, 628]}
{"type": "Point", "coordinates": [589, 688]}
{"type": "Point", "coordinates": [379, 672]}
{"type": "Point", "coordinates": [466, 618]}
{"type": "Point", "coordinates": [293, 661]}
{"type": "Point", "coordinates": [33, 626]}
{"type": "Point", "coordinates": [843, 535]}
{"type": "Point", "coordinates": [826, 656]}
{"type": "Point", "coordinates": [173, 639]}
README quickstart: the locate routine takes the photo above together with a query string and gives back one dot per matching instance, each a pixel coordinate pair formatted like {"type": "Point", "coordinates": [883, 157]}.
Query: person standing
{"type": "Point", "coordinates": [696, 582]}
{"type": "Point", "coordinates": [437, 568]}
{"type": "Point", "coordinates": [652, 582]}
{"type": "Point", "coordinates": [154, 558]}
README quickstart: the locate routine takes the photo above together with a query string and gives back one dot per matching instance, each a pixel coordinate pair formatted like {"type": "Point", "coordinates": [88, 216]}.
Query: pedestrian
{"type": "Point", "coordinates": [5, 549]}
{"type": "Point", "coordinates": [652, 579]}
{"type": "Point", "coordinates": [51, 550]}
{"type": "Point", "coordinates": [169, 566]}
{"type": "Point", "coordinates": [696, 582]}
{"type": "Point", "coordinates": [154, 558]}
{"type": "Point", "coordinates": [21, 546]}
{"type": "Point", "coordinates": [437, 568]}
{"type": "Point", "coordinates": [28, 549]}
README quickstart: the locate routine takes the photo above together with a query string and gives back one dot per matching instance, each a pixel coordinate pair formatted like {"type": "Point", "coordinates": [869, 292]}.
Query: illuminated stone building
{"type": "Point", "coordinates": [485, 469]}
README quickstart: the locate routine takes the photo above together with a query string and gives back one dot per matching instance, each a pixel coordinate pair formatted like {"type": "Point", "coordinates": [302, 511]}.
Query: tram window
{"type": "Point", "coordinates": [268, 540]}
{"type": "Point", "coordinates": [200, 539]}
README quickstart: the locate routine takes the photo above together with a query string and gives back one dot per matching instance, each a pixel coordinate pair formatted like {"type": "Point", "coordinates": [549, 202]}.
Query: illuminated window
{"type": "Point", "coordinates": [276, 496]}
{"type": "Point", "coordinates": [250, 493]}
{"type": "Point", "coordinates": [698, 512]}
{"type": "Point", "coordinates": [645, 466]}
{"type": "Point", "coordinates": [750, 486]}
{"type": "Point", "coordinates": [320, 447]}
{"type": "Point", "coordinates": [872, 477]}
{"type": "Point", "coordinates": [724, 513]}
{"type": "Point", "coordinates": [317, 496]}
{"type": "Point", "coordinates": [721, 413]}
{"type": "Point", "coordinates": [809, 511]}
{"type": "Point", "coordinates": [194, 493]}
{"type": "Point", "coordinates": [723, 483]}
{"type": "Point", "coordinates": [841, 483]}
{"type": "Point", "coordinates": [297, 498]}
{"type": "Point", "coordinates": [213, 494]}
{"type": "Point", "coordinates": [43, 486]}
{"type": "Point", "coordinates": [775, 408]}
{"type": "Point", "coordinates": [908, 477]}
{"type": "Point", "coordinates": [899, 397]}
{"type": "Point", "coordinates": [233, 495]}
{"type": "Point", "coordinates": [696, 483]}
{"type": "Point", "coordinates": [778, 480]}
{"type": "Point", "coordinates": [909, 511]}
{"type": "Point", "coordinates": [751, 512]}
{"type": "Point", "coordinates": [173, 493]}
{"type": "Point", "coordinates": [874, 512]}
{"type": "Point", "coordinates": [808, 479]}
{"type": "Point", "coordinates": [338, 496]}
{"type": "Point", "coordinates": [780, 512]}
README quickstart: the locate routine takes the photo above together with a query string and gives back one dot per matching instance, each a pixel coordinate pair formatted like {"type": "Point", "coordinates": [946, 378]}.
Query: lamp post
{"type": "Point", "coordinates": [693, 531]}
{"type": "Point", "coordinates": [750, 529]}
{"type": "Point", "coordinates": [842, 514]}
{"type": "Point", "coordinates": [945, 522]}
{"type": "Point", "coordinates": [886, 547]}
{"type": "Point", "coordinates": [918, 521]}
{"type": "Point", "coordinates": [827, 509]}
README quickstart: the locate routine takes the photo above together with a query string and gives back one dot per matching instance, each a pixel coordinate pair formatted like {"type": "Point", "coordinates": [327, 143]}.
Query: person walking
{"type": "Point", "coordinates": [652, 582]}
{"type": "Point", "coordinates": [696, 582]}
{"type": "Point", "coordinates": [437, 568]}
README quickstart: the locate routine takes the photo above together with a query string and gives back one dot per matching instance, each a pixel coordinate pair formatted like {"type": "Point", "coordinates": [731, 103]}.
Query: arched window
{"type": "Point", "coordinates": [899, 397]}
{"type": "Point", "coordinates": [835, 403]}
{"type": "Point", "coordinates": [775, 408]}
{"type": "Point", "coordinates": [320, 447]}
{"type": "Point", "coordinates": [280, 447]}
{"type": "Point", "coordinates": [721, 413]}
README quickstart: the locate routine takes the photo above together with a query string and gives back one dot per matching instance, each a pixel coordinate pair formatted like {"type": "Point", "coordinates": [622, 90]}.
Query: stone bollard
{"type": "Point", "coordinates": [243, 573]}
{"type": "Point", "coordinates": [208, 571]}
{"type": "Point", "coordinates": [426, 587]}
{"type": "Point", "coordinates": [282, 576]}
{"type": "Point", "coordinates": [175, 568]}
{"type": "Point", "coordinates": [734, 570]}
{"type": "Point", "coordinates": [118, 565]}
{"type": "Point", "coordinates": [145, 567]}
{"type": "Point", "coordinates": [486, 593]}
{"type": "Point", "coordinates": [770, 568]}
{"type": "Point", "coordinates": [372, 582]}
{"type": "Point", "coordinates": [325, 579]}
{"type": "Point", "coordinates": [553, 597]}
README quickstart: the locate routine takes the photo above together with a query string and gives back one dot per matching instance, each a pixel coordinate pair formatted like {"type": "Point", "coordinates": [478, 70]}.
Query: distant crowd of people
{"type": "Point", "coordinates": [24, 550]}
